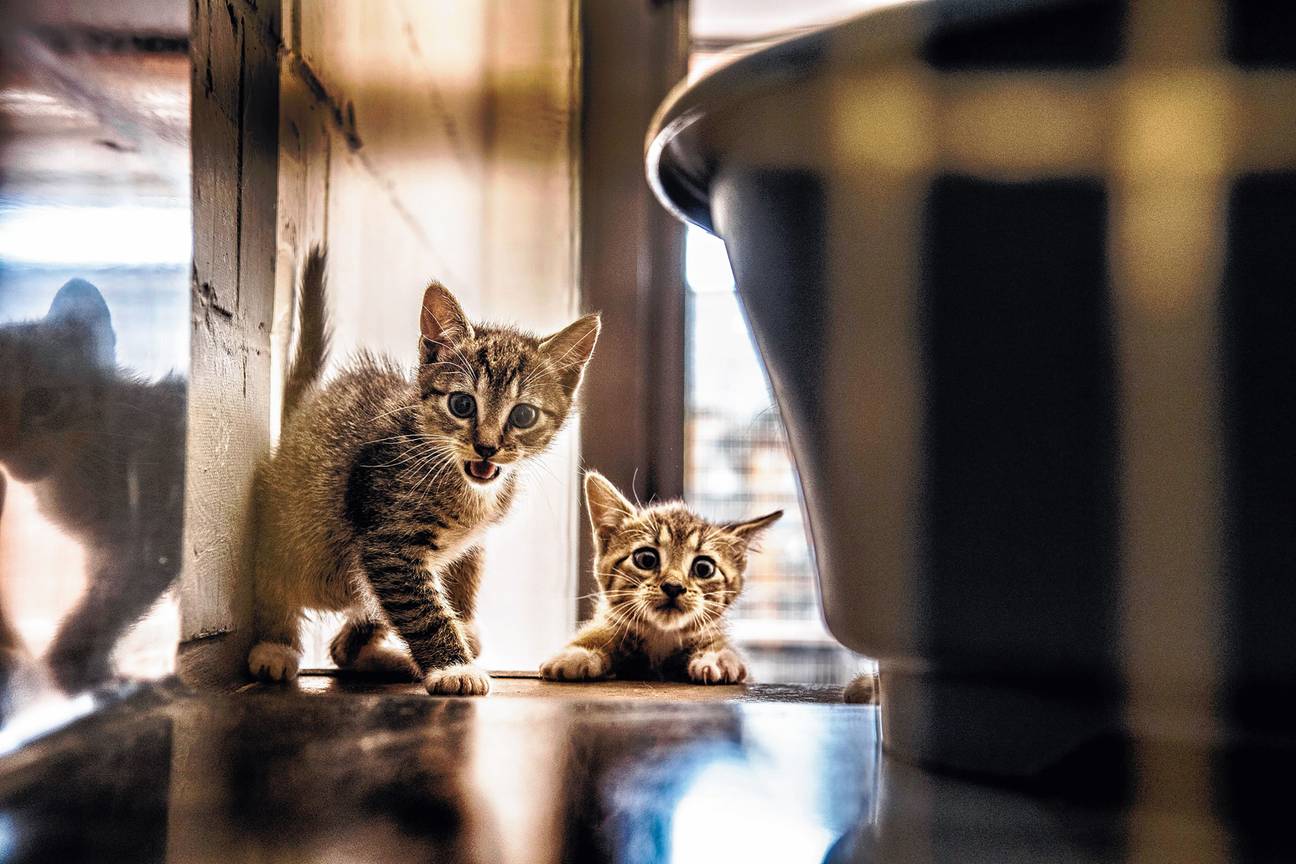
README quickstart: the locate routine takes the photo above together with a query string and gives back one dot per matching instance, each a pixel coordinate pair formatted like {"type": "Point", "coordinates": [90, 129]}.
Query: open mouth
{"type": "Point", "coordinates": [481, 470]}
{"type": "Point", "coordinates": [669, 607]}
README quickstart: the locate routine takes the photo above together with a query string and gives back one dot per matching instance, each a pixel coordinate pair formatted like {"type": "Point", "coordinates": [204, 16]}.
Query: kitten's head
{"type": "Point", "coordinates": [495, 396]}
{"type": "Point", "coordinates": [53, 375]}
{"type": "Point", "coordinates": [663, 566]}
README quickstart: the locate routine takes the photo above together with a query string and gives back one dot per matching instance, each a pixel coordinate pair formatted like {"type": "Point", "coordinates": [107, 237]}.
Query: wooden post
{"type": "Point", "coordinates": [235, 115]}
{"type": "Point", "coordinates": [632, 261]}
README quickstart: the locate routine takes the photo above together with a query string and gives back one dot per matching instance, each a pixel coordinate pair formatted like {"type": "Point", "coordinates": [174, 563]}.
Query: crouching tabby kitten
{"type": "Point", "coordinates": [666, 577]}
{"type": "Point", "coordinates": [380, 490]}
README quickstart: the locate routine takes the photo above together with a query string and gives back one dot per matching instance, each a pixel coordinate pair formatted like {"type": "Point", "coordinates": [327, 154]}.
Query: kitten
{"type": "Point", "coordinates": [666, 577]}
{"type": "Point", "coordinates": [104, 453]}
{"type": "Point", "coordinates": [381, 488]}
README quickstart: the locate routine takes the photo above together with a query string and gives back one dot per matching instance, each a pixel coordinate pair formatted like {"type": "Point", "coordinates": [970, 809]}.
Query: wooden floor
{"type": "Point", "coordinates": [512, 685]}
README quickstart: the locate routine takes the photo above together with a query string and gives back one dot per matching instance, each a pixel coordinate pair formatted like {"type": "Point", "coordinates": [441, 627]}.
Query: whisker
{"type": "Point", "coordinates": [417, 463]}
{"type": "Point", "coordinates": [413, 453]}
{"type": "Point", "coordinates": [438, 459]}
{"type": "Point", "coordinates": [407, 436]}
{"type": "Point", "coordinates": [448, 460]}
{"type": "Point", "coordinates": [391, 412]}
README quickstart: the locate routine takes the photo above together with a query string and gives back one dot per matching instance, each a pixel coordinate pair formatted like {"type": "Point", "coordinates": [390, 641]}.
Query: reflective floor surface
{"type": "Point", "coordinates": [342, 770]}
{"type": "Point", "coordinates": [327, 774]}
{"type": "Point", "coordinates": [511, 685]}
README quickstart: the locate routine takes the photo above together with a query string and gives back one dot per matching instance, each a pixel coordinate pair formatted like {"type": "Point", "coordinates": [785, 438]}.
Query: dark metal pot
{"type": "Point", "coordinates": [1023, 276]}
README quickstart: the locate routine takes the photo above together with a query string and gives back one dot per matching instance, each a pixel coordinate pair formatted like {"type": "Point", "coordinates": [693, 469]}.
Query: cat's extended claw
{"type": "Point", "coordinates": [462, 680]}
{"type": "Point", "coordinates": [575, 664]}
{"type": "Point", "coordinates": [274, 661]}
{"type": "Point", "coordinates": [717, 667]}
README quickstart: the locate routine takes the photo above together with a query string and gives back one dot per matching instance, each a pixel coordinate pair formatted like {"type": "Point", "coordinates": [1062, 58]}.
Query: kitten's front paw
{"type": "Point", "coordinates": [274, 661]}
{"type": "Point", "coordinates": [462, 680]}
{"type": "Point", "coordinates": [575, 664]}
{"type": "Point", "coordinates": [717, 667]}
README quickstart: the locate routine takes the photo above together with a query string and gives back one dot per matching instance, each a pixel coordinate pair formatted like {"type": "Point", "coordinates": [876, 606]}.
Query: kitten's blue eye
{"type": "Point", "coordinates": [462, 405]}
{"type": "Point", "coordinates": [523, 416]}
{"type": "Point", "coordinates": [703, 568]}
{"type": "Point", "coordinates": [645, 558]}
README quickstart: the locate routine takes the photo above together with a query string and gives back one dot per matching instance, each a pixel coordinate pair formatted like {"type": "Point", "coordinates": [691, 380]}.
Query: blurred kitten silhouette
{"type": "Point", "coordinates": [103, 451]}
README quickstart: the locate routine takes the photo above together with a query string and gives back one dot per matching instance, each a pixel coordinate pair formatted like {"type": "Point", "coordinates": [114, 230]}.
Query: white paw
{"type": "Point", "coordinates": [274, 661]}
{"type": "Point", "coordinates": [717, 667]}
{"type": "Point", "coordinates": [575, 664]}
{"type": "Point", "coordinates": [462, 680]}
{"type": "Point", "coordinates": [384, 660]}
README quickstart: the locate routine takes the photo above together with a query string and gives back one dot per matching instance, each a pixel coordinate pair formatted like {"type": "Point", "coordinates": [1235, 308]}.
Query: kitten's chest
{"type": "Point", "coordinates": [658, 648]}
{"type": "Point", "coordinates": [448, 531]}
{"type": "Point", "coordinates": [651, 657]}
{"type": "Point", "coordinates": [386, 499]}
{"type": "Point", "coordinates": [449, 544]}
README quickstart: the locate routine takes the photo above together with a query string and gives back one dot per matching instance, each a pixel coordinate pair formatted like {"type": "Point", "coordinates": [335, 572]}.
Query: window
{"type": "Point", "coordinates": [737, 465]}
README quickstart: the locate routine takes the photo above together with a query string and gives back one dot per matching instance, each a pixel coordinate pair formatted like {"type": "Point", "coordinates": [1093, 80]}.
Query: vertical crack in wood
{"type": "Point", "coordinates": [242, 143]}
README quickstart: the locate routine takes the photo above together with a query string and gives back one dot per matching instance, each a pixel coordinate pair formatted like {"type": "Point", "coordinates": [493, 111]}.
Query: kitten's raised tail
{"type": "Point", "coordinates": [313, 334]}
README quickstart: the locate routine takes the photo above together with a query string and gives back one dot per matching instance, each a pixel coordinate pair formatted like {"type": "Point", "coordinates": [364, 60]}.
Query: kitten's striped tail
{"type": "Point", "coordinates": [313, 334]}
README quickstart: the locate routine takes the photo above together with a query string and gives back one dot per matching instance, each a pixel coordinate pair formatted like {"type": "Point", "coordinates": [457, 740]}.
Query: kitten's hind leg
{"type": "Point", "coordinates": [357, 631]}
{"type": "Point", "coordinates": [359, 645]}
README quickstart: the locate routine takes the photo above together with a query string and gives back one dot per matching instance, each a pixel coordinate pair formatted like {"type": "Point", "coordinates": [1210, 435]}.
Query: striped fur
{"type": "Point", "coordinates": [314, 333]}
{"type": "Point", "coordinates": [638, 629]}
{"type": "Point", "coordinates": [368, 505]}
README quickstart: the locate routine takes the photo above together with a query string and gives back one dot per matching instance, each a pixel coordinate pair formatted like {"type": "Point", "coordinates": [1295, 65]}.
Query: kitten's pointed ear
{"type": "Point", "coordinates": [570, 348]}
{"type": "Point", "coordinates": [747, 531]}
{"type": "Point", "coordinates": [80, 303]}
{"type": "Point", "coordinates": [441, 320]}
{"type": "Point", "coordinates": [608, 508]}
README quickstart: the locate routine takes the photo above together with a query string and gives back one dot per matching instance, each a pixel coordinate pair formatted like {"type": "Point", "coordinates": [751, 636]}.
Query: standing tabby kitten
{"type": "Point", "coordinates": [381, 488]}
{"type": "Point", "coordinates": [666, 577]}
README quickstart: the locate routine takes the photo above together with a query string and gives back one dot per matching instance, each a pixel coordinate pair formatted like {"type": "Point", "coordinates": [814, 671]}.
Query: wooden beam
{"type": "Point", "coordinates": [632, 262]}
{"type": "Point", "coordinates": [235, 116]}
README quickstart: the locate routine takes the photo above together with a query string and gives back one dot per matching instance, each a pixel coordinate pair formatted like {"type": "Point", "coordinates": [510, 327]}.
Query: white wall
{"type": "Point", "coordinates": [435, 140]}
